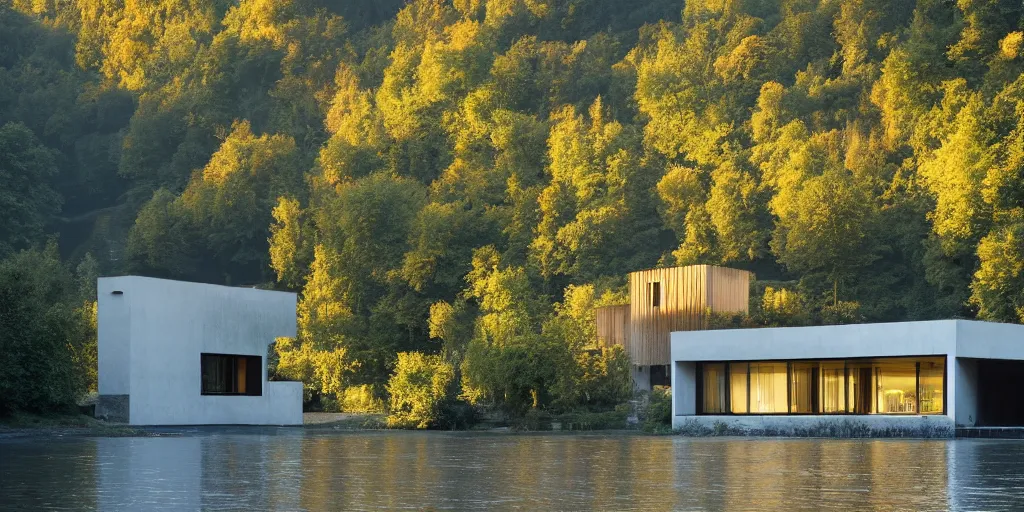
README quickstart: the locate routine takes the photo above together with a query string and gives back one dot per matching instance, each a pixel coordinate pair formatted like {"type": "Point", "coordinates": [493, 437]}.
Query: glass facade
{"type": "Point", "coordinates": [895, 385]}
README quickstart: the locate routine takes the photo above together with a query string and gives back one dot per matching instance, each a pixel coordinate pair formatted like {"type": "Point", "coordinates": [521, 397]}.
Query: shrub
{"type": "Point", "coordinates": [842, 312]}
{"type": "Point", "coordinates": [517, 376]}
{"type": "Point", "coordinates": [418, 389]}
{"type": "Point", "coordinates": [656, 416]}
{"type": "Point", "coordinates": [324, 373]}
{"type": "Point", "coordinates": [605, 379]}
{"type": "Point", "coordinates": [360, 399]}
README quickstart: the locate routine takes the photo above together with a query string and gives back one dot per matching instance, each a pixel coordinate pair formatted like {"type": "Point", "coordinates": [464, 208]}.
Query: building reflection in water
{"type": "Point", "coordinates": [296, 470]}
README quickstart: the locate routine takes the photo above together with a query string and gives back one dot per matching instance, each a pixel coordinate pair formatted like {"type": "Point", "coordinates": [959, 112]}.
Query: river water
{"type": "Point", "coordinates": [292, 469]}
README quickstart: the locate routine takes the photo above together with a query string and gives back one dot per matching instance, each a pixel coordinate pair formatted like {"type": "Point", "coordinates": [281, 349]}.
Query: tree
{"type": "Point", "coordinates": [589, 376]}
{"type": "Point", "coordinates": [507, 361]}
{"type": "Point", "coordinates": [289, 248]}
{"type": "Point", "coordinates": [591, 212]}
{"type": "Point", "coordinates": [998, 286]}
{"type": "Point", "coordinates": [42, 335]}
{"type": "Point", "coordinates": [27, 201]}
{"type": "Point", "coordinates": [825, 219]}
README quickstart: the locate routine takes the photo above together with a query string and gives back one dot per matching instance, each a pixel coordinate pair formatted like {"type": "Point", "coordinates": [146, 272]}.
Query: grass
{"type": "Point", "coordinates": [348, 422]}
{"type": "Point", "coordinates": [573, 421]}
{"type": "Point", "coordinates": [24, 423]}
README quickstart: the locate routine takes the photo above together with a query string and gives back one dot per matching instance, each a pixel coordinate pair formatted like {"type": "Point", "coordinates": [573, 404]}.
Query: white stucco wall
{"type": "Point", "coordinates": [824, 342]}
{"type": "Point", "coordinates": [170, 324]}
{"type": "Point", "coordinates": [989, 340]}
{"type": "Point", "coordinates": [113, 326]}
{"type": "Point", "coordinates": [684, 376]}
{"type": "Point", "coordinates": [959, 340]}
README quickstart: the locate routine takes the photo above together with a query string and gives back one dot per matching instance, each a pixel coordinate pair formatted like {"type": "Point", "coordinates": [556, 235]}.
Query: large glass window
{"type": "Point", "coordinates": [738, 387]}
{"type": "Point", "coordinates": [803, 388]}
{"type": "Point", "coordinates": [896, 383]}
{"type": "Point", "coordinates": [832, 387]}
{"type": "Point", "coordinates": [768, 387]}
{"type": "Point", "coordinates": [714, 388]}
{"type": "Point", "coordinates": [932, 375]}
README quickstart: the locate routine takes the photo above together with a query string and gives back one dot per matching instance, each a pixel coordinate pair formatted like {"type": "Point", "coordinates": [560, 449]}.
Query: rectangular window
{"type": "Point", "coordinates": [932, 375]}
{"type": "Point", "coordinates": [803, 388]}
{"type": "Point", "coordinates": [896, 382]}
{"type": "Point", "coordinates": [892, 385]}
{"type": "Point", "coordinates": [768, 388]}
{"type": "Point", "coordinates": [226, 374]}
{"type": "Point", "coordinates": [714, 389]}
{"type": "Point", "coordinates": [655, 294]}
{"type": "Point", "coordinates": [738, 396]}
{"type": "Point", "coordinates": [859, 396]}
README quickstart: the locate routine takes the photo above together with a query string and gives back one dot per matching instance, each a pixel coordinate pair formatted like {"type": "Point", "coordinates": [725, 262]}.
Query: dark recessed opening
{"type": "Point", "coordinates": [228, 374]}
{"type": "Point", "coordinates": [117, 292]}
{"type": "Point", "coordinates": [997, 406]}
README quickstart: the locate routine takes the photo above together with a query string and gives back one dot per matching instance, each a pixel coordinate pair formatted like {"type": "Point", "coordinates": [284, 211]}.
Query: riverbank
{"type": "Point", "coordinates": [62, 425]}
{"type": "Point", "coordinates": [343, 421]}
{"type": "Point", "coordinates": [24, 424]}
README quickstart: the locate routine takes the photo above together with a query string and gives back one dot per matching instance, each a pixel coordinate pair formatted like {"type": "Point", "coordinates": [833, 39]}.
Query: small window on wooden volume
{"type": "Point", "coordinates": [656, 294]}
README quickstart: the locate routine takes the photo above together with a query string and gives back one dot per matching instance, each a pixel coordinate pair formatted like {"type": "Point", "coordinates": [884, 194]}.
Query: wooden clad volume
{"type": "Point", "coordinates": [663, 300]}
{"type": "Point", "coordinates": [612, 325]}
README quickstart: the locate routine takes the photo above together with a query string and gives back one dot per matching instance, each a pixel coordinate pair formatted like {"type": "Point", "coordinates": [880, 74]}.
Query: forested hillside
{"type": "Point", "coordinates": [470, 178]}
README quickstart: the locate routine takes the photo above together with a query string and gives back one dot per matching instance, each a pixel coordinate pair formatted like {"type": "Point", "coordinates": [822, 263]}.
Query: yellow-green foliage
{"type": "Point", "coordinates": [360, 399]}
{"type": "Point", "coordinates": [286, 241]}
{"type": "Point", "coordinates": [605, 378]}
{"type": "Point", "coordinates": [783, 307]}
{"type": "Point", "coordinates": [417, 389]}
{"type": "Point", "coordinates": [322, 371]}
{"type": "Point", "coordinates": [384, 156]}
{"type": "Point", "coordinates": [842, 312]}
{"type": "Point", "coordinates": [89, 353]}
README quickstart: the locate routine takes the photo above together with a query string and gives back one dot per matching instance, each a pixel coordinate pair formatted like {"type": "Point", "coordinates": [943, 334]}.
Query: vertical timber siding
{"type": "Point", "coordinates": [686, 295]}
{"type": "Point", "coordinates": [612, 326]}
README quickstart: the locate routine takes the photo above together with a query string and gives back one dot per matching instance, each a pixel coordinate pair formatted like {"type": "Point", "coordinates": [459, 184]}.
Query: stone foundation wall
{"type": "Point", "coordinates": [817, 426]}
{"type": "Point", "coordinates": [112, 408]}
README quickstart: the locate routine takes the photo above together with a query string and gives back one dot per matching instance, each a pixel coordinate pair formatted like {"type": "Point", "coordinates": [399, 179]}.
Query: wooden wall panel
{"type": "Point", "coordinates": [612, 326]}
{"type": "Point", "coordinates": [687, 293]}
{"type": "Point", "coordinates": [728, 290]}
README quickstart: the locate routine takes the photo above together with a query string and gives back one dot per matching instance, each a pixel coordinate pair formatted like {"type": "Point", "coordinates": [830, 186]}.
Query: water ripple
{"type": "Point", "coordinates": [236, 470]}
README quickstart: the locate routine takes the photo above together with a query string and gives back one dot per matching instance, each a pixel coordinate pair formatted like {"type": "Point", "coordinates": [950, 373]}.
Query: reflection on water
{"type": "Point", "coordinates": [289, 469]}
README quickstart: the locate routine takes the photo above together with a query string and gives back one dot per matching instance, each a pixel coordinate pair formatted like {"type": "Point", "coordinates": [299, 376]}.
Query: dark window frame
{"type": "Point", "coordinates": [846, 384]}
{"type": "Point", "coordinates": [253, 375]}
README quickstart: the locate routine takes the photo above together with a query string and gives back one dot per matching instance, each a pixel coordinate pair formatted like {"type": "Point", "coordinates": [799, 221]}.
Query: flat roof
{"type": "Point", "coordinates": [953, 338]}
{"type": "Point", "coordinates": [115, 280]}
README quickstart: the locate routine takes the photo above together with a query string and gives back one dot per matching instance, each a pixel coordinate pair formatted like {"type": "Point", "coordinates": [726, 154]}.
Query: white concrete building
{"type": "Point", "coordinates": [908, 375]}
{"type": "Point", "coordinates": [178, 353]}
